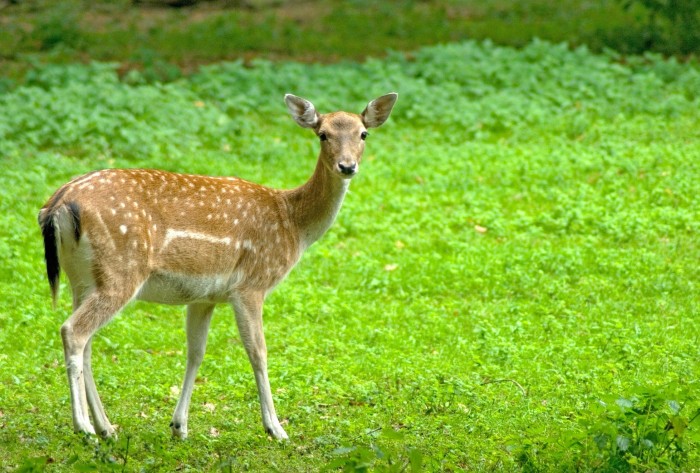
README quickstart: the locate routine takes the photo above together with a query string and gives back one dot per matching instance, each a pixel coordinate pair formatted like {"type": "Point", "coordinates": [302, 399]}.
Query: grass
{"type": "Point", "coordinates": [166, 42]}
{"type": "Point", "coordinates": [510, 286]}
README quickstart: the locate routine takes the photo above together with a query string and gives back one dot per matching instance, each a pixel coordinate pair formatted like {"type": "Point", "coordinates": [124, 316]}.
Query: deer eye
{"type": "Point", "coordinates": [364, 135]}
{"type": "Point", "coordinates": [322, 136]}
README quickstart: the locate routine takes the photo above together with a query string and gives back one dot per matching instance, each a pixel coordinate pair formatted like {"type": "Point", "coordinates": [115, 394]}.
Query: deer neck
{"type": "Point", "coordinates": [314, 205]}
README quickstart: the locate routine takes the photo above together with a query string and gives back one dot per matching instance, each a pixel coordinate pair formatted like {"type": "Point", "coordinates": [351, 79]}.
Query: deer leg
{"type": "Point", "coordinates": [248, 309]}
{"type": "Point", "coordinates": [99, 417]}
{"type": "Point", "coordinates": [96, 310]}
{"type": "Point", "coordinates": [197, 327]}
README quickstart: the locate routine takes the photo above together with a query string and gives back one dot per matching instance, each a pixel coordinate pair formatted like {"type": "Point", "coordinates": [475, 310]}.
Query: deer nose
{"type": "Point", "coordinates": [347, 169]}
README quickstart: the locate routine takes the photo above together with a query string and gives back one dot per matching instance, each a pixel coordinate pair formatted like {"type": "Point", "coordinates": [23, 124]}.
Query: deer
{"type": "Point", "coordinates": [183, 239]}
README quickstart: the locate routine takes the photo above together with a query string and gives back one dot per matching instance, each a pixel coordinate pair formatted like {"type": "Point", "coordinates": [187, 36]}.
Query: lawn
{"type": "Point", "coordinates": [511, 285]}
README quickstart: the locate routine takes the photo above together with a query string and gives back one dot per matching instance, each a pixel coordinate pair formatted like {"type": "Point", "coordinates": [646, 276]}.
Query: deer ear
{"type": "Point", "coordinates": [378, 110]}
{"type": "Point", "coordinates": [302, 111]}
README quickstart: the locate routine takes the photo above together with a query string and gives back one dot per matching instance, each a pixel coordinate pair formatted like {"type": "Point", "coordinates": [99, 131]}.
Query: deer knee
{"type": "Point", "coordinates": [72, 340]}
{"type": "Point", "coordinates": [67, 334]}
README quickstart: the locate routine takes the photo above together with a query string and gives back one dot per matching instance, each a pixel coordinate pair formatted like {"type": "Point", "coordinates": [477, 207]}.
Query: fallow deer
{"type": "Point", "coordinates": [125, 234]}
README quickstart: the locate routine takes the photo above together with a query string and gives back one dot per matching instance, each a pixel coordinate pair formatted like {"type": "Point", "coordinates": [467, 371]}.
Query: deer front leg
{"type": "Point", "coordinates": [197, 327]}
{"type": "Point", "coordinates": [248, 309]}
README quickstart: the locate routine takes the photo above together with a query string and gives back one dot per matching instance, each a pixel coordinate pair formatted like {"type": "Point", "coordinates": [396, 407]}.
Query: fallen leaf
{"type": "Point", "coordinates": [390, 267]}
{"type": "Point", "coordinates": [208, 406]}
{"type": "Point", "coordinates": [214, 432]}
{"type": "Point", "coordinates": [199, 104]}
{"type": "Point", "coordinates": [174, 390]}
{"type": "Point", "coordinates": [480, 229]}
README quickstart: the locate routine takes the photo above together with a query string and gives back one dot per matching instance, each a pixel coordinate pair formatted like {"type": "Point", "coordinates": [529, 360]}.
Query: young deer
{"type": "Point", "coordinates": [124, 234]}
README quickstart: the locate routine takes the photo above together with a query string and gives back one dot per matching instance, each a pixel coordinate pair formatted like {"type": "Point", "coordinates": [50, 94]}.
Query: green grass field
{"type": "Point", "coordinates": [511, 285]}
{"type": "Point", "coordinates": [162, 42]}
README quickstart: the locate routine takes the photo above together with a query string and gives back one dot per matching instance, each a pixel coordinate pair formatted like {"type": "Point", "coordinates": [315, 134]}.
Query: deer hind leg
{"type": "Point", "coordinates": [99, 417]}
{"type": "Point", "coordinates": [197, 327]}
{"type": "Point", "coordinates": [248, 309]}
{"type": "Point", "coordinates": [93, 312]}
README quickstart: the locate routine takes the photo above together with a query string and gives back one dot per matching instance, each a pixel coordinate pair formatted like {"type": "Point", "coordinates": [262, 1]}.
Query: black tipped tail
{"type": "Point", "coordinates": [47, 222]}
{"type": "Point", "coordinates": [53, 268]}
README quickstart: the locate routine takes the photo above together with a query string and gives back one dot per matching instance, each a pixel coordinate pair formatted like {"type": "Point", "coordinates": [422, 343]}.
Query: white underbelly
{"type": "Point", "coordinates": [174, 288]}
